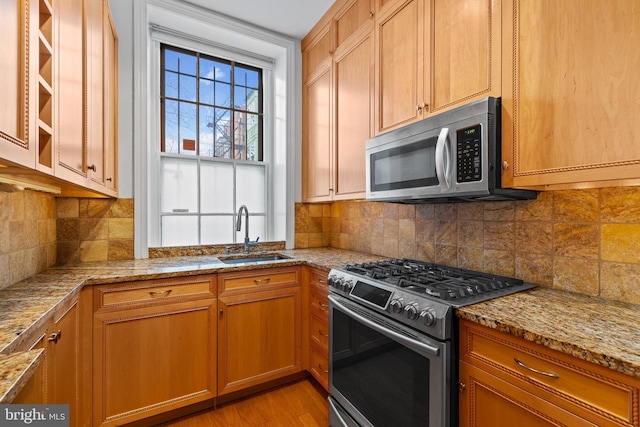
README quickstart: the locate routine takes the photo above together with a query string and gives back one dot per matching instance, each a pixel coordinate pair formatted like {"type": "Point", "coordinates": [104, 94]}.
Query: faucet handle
{"type": "Point", "coordinates": [255, 242]}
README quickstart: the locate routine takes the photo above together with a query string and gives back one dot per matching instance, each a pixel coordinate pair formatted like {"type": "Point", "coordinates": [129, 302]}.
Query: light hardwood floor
{"type": "Point", "coordinates": [302, 403]}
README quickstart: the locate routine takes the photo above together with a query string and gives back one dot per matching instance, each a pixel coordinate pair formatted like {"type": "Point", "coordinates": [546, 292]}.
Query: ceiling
{"type": "Point", "coordinates": [293, 18]}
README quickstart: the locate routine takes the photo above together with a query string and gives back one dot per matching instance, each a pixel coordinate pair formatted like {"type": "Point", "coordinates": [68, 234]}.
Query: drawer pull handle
{"type": "Point", "coordinates": [323, 305]}
{"type": "Point", "coordinates": [546, 374]}
{"type": "Point", "coordinates": [323, 281]}
{"type": "Point", "coordinates": [55, 337]}
{"type": "Point", "coordinates": [160, 294]}
{"type": "Point", "coordinates": [262, 281]}
{"type": "Point", "coordinates": [326, 371]}
{"type": "Point", "coordinates": [324, 334]}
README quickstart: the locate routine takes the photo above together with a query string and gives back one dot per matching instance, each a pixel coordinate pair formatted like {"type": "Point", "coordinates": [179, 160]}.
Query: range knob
{"type": "Point", "coordinates": [396, 305]}
{"type": "Point", "coordinates": [347, 285]}
{"type": "Point", "coordinates": [428, 317]}
{"type": "Point", "coordinates": [411, 311]}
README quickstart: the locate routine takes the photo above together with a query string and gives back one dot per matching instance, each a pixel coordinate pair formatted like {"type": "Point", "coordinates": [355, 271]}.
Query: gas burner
{"type": "Point", "coordinates": [435, 280]}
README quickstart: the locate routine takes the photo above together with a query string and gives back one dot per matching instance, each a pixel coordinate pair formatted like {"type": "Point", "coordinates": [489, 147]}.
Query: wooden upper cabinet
{"type": "Point", "coordinates": [317, 119]}
{"type": "Point", "coordinates": [110, 99]}
{"type": "Point", "coordinates": [337, 102]}
{"type": "Point", "coordinates": [432, 55]}
{"type": "Point", "coordinates": [464, 51]}
{"type": "Point", "coordinates": [70, 153]}
{"type": "Point", "coordinates": [353, 96]}
{"type": "Point", "coordinates": [101, 87]}
{"type": "Point", "coordinates": [570, 93]}
{"type": "Point", "coordinates": [399, 59]}
{"type": "Point", "coordinates": [60, 118]}
{"type": "Point", "coordinates": [17, 80]}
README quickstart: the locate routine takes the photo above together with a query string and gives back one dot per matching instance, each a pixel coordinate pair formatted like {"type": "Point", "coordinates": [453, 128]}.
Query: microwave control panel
{"type": "Point", "coordinates": [469, 154]}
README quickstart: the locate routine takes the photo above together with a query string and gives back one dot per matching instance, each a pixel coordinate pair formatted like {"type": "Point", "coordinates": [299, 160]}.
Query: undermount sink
{"type": "Point", "coordinates": [253, 258]}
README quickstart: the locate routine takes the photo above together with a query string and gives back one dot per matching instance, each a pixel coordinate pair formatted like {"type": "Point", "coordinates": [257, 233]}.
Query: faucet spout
{"type": "Point", "coordinates": [247, 242]}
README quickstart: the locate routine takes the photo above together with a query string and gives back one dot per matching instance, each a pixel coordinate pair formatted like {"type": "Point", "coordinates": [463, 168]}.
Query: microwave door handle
{"type": "Point", "coordinates": [443, 159]}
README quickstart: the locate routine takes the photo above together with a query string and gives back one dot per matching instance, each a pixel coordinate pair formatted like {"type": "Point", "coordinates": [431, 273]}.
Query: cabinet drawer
{"type": "Point", "coordinates": [258, 279]}
{"type": "Point", "coordinates": [563, 379]}
{"type": "Point", "coordinates": [319, 303]}
{"type": "Point", "coordinates": [319, 365]}
{"type": "Point", "coordinates": [153, 291]}
{"type": "Point", "coordinates": [320, 330]}
{"type": "Point", "coordinates": [319, 278]}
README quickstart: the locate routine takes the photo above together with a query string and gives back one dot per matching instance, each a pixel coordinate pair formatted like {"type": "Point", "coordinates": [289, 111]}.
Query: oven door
{"type": "Point", "coordinates": [382, 373]}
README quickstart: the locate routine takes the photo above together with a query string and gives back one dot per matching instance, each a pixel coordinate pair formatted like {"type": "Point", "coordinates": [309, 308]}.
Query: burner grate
{"type": "Point", "coordinates": [434, 280]}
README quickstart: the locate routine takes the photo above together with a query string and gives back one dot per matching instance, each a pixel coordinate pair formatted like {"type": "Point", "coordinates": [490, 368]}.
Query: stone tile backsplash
{"type": "Point", "coordinates": [94, 230]}
{"type": "Point", "coordinates": [585, 241]}
{"type": "Point", "coordinates": [27, 235]}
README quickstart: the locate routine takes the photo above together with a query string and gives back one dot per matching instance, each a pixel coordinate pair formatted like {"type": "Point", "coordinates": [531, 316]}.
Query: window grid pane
{"type": "Point", "coordinates": [199, 81]}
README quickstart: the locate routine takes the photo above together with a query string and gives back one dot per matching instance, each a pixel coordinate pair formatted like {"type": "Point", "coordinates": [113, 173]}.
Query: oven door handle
{"type": "Point", "coordinates": [435, 351]}
{"type": "Point", "coordinates": [336, 412]}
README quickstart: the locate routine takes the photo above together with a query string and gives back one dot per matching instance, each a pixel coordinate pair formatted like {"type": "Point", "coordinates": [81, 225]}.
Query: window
{"type": "Point", "coordinates": [210, 107]}
{"type": "Point", "coordinates": [211, 148]}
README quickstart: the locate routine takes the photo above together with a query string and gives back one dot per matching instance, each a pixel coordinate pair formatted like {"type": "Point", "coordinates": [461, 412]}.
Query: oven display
{"type": "Point", "coordinates": [372, 294]}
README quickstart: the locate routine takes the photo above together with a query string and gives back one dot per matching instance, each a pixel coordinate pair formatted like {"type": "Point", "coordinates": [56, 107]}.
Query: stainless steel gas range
{"type": "Point", "coordinates": [392, 340]}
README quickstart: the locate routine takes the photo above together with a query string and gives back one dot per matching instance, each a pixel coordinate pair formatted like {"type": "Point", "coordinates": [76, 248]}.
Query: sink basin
{"type": "Point", "coordinates": [253, 259]}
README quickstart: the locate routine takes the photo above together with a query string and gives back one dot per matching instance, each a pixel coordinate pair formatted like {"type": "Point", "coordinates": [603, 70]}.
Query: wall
{"type": "Point", "coordinates": [94, 230]}
{"type": "Point", "coordinates": [586, 241]}
{"type": "Point", "coordinates": [27, 235]}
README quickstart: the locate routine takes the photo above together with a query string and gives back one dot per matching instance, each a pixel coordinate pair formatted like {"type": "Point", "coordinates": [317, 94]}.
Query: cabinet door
{"type": "Point", "coordinates": [259, 338]}
{"type": "Point", "coordinates": [94, 86]}
{"type": "Point", "coordinates": [110, 100]}
{"type": "Point", "coordinates": [570, 92]}
{"type": "Point", "coordinates": [70, 143]}
{"type": "Point", "coordinates": [63, 342]}
{"type": "Point", "coordinates": [487, 401]}
{"type": "Point", "coordinates": [353, 118]}
{"type": "Point", "coordinates": [35, 391]}
{"type": "Point", "coordinates": [16, 74]}
{"type": "Point", "coordinates": [151, 360]}
{"type": "Point", "coordinates": [400, 86]}
{"type": "Point", "coordinates": [464, 51]}
{"type": "Point", "coordinates": [317, 138]}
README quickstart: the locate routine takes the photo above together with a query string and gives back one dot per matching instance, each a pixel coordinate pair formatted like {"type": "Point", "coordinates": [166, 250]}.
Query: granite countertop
{"type": "Point", "coordinates": [594, 329]}
{"type": "Point", "coordinates": [590, 328]}
{"type": "Point", "coordinates": [29, 304]}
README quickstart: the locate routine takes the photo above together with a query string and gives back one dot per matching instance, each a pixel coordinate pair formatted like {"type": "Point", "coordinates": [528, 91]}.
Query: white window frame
{"type": "Point", "coordinates": [215, 34]}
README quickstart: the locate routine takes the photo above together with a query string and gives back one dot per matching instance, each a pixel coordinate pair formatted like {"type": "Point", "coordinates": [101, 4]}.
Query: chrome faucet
{"type": "Point", "coordinates": [247, 242]}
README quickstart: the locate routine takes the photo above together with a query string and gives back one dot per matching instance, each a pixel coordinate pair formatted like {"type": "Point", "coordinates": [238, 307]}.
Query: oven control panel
{"type": "Point", "coordinates": [416, 311]}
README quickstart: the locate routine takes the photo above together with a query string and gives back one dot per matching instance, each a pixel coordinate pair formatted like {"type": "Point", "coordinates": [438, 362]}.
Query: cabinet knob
{"type": "Point", "coordinates": [505, 165]}
{"type": "Point", "coordinates": [462, 387]}
{"type": "Point", "coordinates": [418, 108]}
{"type": "Point", "coordinates": [371, 15]}
{"type": "Point", "coordinates": [109, 179]}
{"type": "Point", "coordinates": [55, 336]}
{"type": "Point", "coordinates": [320, 367]}
{"type": "Point", "coordinates": [92, 168]}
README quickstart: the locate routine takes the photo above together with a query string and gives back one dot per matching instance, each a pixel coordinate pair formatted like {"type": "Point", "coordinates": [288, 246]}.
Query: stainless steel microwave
{"type": "Point", "coordinates": [451, 156]}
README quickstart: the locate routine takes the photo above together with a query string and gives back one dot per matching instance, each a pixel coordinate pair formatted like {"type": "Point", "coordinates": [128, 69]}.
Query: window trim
{"type": "Point", "coordinates": [285, 172]}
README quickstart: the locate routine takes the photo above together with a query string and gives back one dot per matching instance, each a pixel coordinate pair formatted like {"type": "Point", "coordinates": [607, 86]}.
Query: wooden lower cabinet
{"type": "Point", "coordinates": [58, 378]}
{"type": "Point", "coordinates": [506, 381]}
{"type": "Point", "coordinates": [319, 326]}
{"type": "Point", "coordinates": [259, 338]}
{"type": "Point", "coordinates": [152, 354]}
